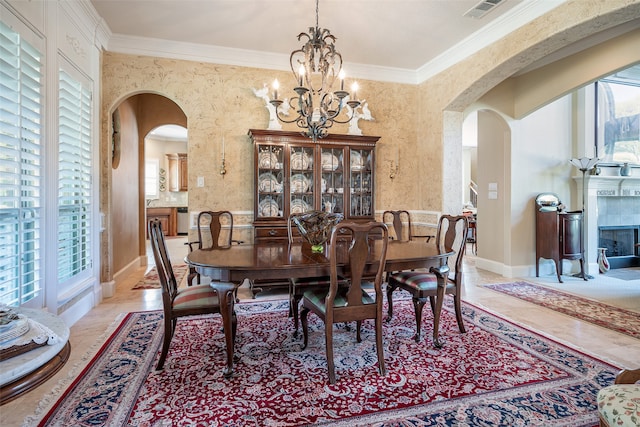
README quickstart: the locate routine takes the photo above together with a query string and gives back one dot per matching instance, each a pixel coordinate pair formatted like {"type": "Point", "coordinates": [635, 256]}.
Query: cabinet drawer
{"type": "Point", "coordinates": [263, 233]}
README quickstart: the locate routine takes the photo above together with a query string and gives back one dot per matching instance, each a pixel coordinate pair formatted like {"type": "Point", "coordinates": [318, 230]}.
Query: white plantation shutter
{"type": "Point", "coordinates": [74, 176]}
{"type": "Point", "coordinates": [20, 168]}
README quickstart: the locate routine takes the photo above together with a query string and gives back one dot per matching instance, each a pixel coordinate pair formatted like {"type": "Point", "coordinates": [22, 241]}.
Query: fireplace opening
{"type": "Point", "coordinates": [622, 246]}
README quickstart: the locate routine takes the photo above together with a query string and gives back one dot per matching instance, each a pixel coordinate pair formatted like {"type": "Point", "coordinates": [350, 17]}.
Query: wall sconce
{"type": "Point", "coordinates": [223, 169]}
{"type": "Point", "coordinates": [393, 170]}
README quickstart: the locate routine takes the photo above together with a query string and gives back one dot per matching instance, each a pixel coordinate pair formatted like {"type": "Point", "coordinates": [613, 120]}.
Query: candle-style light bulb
{"type": "Point", "coordinates": [354, 89]}
{"type": "Point", "coordinates": [341, 77]}
{"type": "Point", "coordinates": [300, 74]}
{"type": "Point", "coordinates": [276, 86]}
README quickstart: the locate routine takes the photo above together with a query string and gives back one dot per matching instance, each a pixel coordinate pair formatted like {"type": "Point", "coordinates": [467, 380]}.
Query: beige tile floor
{"type": "Point", "coordinates": [619, 349]}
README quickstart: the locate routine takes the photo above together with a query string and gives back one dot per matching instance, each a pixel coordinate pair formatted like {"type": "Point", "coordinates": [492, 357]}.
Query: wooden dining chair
{"type": "Point", "coordinates": [438, 281]}
{"type": "Point", "coordinates": [338, 304]}
{"type": "Point", "coordinates": [298, 285]}
{"type": "Point", "coordinates": [215, 298]}
{"type": "Point", "coordinates": [401, 226]}
{"type": "Point", "coordinates": [211, 236]}
{"type": "Point", "coordinates": [398, 219]}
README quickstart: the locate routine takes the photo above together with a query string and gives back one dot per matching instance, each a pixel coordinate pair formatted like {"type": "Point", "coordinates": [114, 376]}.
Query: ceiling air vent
{"type": "Point", "coordinates": [482, 8]}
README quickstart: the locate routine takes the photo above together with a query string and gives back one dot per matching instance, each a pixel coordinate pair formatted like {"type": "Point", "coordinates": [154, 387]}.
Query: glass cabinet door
{"type": "Point", "coordinates": [270, 181]}
{"type": "Point", "coordinates": [301, 179]}
{"type": "Point", "coordinates": [360, 182]}
{"type": "Point", "coordinates": [332, 181]}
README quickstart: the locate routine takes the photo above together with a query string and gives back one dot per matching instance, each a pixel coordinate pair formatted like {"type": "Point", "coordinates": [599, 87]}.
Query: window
{"type": "Point", "coordinates": [151, 179]}
{"type": "Point", "coordinates": [74, 178]}
{"type": "Point", "coordinates": [618, 106]}
{"type": "Point", "coordinates": [20, 168]}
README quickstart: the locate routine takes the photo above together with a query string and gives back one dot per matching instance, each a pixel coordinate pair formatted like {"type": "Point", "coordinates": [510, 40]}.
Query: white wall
{"type": "Point", "coordinates": [540, 159]}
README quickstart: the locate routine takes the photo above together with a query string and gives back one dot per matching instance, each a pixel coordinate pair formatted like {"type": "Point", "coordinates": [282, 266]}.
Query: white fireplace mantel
{"type": "Point", "coordinates": [624, 190]}
{"type": "Point", "coordinates": [611, 186]}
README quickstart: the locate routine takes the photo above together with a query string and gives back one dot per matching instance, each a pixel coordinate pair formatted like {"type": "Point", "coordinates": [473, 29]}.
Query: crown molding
{"type": "Point", "coordinates": [514, 19]}
{"type": "Point", "coordinates": [519, 16]}
{"type": "Point", "coordinates": [240, 57]}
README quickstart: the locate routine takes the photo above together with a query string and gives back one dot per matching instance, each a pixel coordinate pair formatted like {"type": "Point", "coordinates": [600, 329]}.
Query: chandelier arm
{"type": "Point", "coordinates": [280, 115]}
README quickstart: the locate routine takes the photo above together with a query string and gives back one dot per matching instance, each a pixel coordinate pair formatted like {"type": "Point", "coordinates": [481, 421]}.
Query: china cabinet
{"type": "Point", "coordinates": [293, 174]}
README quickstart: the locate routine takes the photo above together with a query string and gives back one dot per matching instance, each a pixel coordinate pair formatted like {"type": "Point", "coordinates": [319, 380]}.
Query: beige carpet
{"type": "Point", "coordinates": [631, 273]}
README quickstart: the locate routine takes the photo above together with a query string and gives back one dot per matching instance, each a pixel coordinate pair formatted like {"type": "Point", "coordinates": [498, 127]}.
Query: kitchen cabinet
{"type": "Point", "coordinates": [178, 172]}
{"type": "Point", "coordinates": [167, 217]}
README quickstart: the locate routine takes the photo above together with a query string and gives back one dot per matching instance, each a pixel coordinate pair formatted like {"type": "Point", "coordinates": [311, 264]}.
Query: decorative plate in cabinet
{"type": "Point", "coordinates": [299, 183]}
{"type": "Point", "coordinates": [329, 162]}
{"type": "Point", "coordinates": [300, 160]}
{"type": "Point", "coordinates": [299, 206]}
{"type": "Point", "coordinates": [356, 161]}
{"type": "Point", "coordinates": [267, 160]}
{"type": "Point", "coordinates": [268, 207]}
{"type": "Point", "coordinates": [267, 182]}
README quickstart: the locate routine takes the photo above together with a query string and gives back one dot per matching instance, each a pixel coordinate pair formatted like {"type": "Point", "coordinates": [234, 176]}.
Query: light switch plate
{"type": "Point", "coordinates": [200, 182]}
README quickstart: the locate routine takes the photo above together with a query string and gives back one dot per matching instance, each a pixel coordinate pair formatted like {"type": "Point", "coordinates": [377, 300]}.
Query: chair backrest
{"type": "Point", "coordinates": [163, 264]}
{"type": "Point", "coordinates": [211, 223]}
{"type": "Point", "coordinates": [452, 236]}
{"type": "Point", "coordinates": [290, 228]}
{"type": "Point", "coordinates": [398, 219]}
{"type": "Point", "coordinates": [360, 239]}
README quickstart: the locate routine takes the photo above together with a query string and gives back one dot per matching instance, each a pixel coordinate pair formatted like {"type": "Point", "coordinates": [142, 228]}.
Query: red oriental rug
{"type": "Point", "coordinates": [151, 280]}
{"type": "Point", "coordinates": [608, 316]}
{"type": "Point", "coordinates": [497, 373]}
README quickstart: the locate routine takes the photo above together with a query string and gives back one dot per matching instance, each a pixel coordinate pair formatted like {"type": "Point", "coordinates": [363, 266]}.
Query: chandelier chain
{"type": "Point", "coordinates": [315, 67]}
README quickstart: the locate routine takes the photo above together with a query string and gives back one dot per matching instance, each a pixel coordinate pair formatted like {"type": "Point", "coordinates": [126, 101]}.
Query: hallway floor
{"type": "Point", "coordinates": [618, 349]}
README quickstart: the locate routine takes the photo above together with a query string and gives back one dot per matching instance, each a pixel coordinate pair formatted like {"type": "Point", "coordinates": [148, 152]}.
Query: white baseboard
{"type": "Point", "coordinates": [130, 268]}
{"type": "Point", "coordinates": [80, 307]}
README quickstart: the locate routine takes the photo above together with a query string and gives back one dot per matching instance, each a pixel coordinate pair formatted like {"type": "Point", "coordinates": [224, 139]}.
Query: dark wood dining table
{"type": "Point", "coordinates": [283, 260]}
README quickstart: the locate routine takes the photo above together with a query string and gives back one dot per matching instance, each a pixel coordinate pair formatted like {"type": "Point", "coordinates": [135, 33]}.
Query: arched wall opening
{"type": "Point", "coordinates": [137, 115]}
{"type": "Point", "coordinates": [537, 157]}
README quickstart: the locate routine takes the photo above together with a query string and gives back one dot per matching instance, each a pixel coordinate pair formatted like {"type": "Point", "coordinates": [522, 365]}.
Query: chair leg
{"type": "Point", "coordinates": [192, 274]}
{"type": "Point", "coordinates": [328, 333]}
{"type": "Point", "coordinates": [229, 322]}
{"type": "Point", "coordinates": [379, 347]}
{"type": "Point", "coordinates": [294, 308]}
{"type": "Point", "coordinates": [418, 305]}
{"type": "Point", "coordinates": [390, 290]}
{"type": "Point", "coordinates": [436, 312]}
{"type": "Point", "coordinates": [305, 326]}
{"type": "Point", "coordinates": [290, 299]}
{"type": "Point", "coordinates": [166, 342]}
{"type": "Point", "coordinates": [358, 327]}
{"type": "Point", "coordinates": [456, 301]}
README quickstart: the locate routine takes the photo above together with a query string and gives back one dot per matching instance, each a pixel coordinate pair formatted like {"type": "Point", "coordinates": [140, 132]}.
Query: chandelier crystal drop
{"type": "Point", "coordinates": [316, 66]}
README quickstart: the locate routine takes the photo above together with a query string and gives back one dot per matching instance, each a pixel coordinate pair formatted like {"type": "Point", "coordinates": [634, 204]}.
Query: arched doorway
{"type": "Point", "coordinates": [132, 120]}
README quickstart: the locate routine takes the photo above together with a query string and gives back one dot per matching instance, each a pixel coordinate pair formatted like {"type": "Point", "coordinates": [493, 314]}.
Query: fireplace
{"type": "Point", "coordinates": [621, 242]}
{"type": "Point", "coordinates": [612, 217]}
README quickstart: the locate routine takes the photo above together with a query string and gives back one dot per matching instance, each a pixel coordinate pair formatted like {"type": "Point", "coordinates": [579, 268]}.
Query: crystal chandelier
{"type": "Point", "coordinates": [315, 66]}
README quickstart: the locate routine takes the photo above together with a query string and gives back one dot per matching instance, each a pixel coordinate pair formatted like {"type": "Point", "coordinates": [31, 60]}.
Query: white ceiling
{"type": "Point", "coordinates": [393, 36]}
